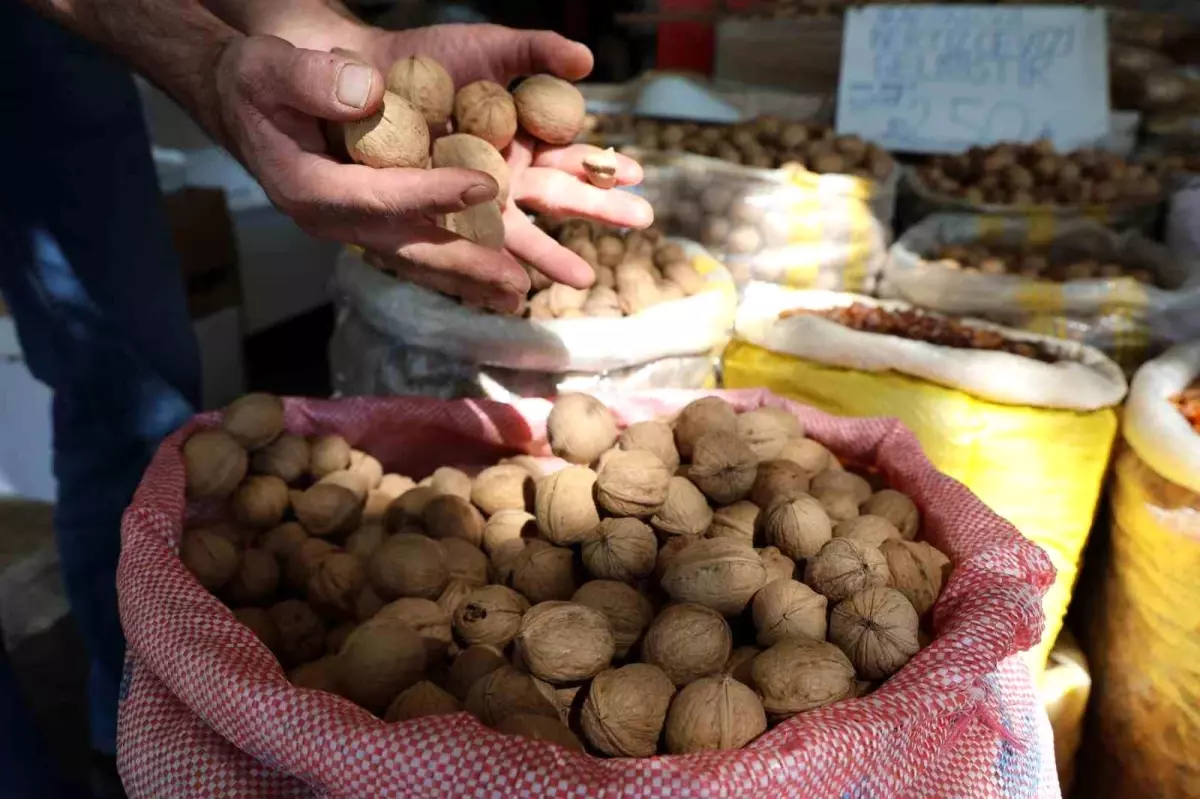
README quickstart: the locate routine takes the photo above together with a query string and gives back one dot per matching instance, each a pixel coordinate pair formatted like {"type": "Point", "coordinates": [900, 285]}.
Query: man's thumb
{"type": "Point", "coordinates": [336, 86]}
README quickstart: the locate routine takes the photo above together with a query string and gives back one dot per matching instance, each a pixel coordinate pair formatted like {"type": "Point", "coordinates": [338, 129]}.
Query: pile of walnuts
{"type": "Point", "coordinates": [1035, 264]}
{"type": "Point", "coordinates": [932, 328]}
{"type": "Point", "coordinates": [1035, 174]}
{"type": "Point", "coordinates": [676, 586]}
{"type": "Point", "coordinates": [634, 270]}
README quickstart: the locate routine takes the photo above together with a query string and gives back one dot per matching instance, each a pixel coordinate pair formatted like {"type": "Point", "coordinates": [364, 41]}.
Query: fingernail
{"type": "Point", "coordinates": [480, 193]}
{"type": "Point", "coordinates": [354, 85]}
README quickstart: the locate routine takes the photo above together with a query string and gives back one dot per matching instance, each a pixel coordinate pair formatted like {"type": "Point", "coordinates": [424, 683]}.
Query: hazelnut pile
{"type": "Point", "coordinates": [944, 331]}
{"type": "Point", "coordinates": [421, 103]}
{"type": "Point", "coordinates": [1038, 264]}
{"type": "Point", "coordinates": [1035, 174]}
{"type": "Point", "coordinates": [1188, 403]}
{"type": "Point", "coordinates": [680, 585]}
{"type": "Point", "coordinates": [634, 270]}
{"type": "Point", "coordinates": [769, 142]}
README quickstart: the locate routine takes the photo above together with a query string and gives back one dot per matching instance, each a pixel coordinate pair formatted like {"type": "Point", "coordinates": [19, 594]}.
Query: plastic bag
{"type": "Point", "coordinates": [206, 709]}
{"type": "Point", "coordinates": [788, 226]}
{"type": "Point", "coordinates": [1126, 319]}
{"type": "Point", "coordinates": [1144, 650]}
{"type": "Point", "coordinates": [398, 338]}
{"type": "Point", "coordinates": [1031, 439]}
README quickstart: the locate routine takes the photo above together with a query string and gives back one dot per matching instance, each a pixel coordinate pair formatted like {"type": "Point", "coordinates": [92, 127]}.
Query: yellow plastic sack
{"type": "Point", "coordinates": [1040, 464]}
{"type": "Point", "coordinates": [1145, 646]}
{"type": "Point", "coordinates": [1064, 688]}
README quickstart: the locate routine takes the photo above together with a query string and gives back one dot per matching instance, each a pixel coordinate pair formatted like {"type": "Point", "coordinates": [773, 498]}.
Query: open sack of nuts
{"type": "Point", "coordinates": [1141, 634]}
{"type": "Point", "coordinates": [658, 316]}
{"type": "Point", "coordinates": [1025, 421]}
{"type": "Point", "coordinates": [1034, 179]}
{"type": "Point", "coordinates": [725, 594]}
{"type": "Point", "coordinates": [786, 202]}
{"type": "Point", "coordinates": [1076, 279]}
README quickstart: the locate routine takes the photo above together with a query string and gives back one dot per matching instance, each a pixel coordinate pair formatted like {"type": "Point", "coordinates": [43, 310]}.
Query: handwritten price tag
{"type": "Point", "coordinates": [940, 79]}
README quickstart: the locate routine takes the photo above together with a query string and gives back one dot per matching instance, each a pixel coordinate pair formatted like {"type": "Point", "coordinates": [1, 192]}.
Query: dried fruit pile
{"type": "Point", "coordinates": [1188, 403]}
{"type": "Point", "coordinates": [1035, 174]}
{"type": "Point", "coordinates": [678, 586]}
{"type": "Point", "coordinates": [634, 270]}
{"type": "Point", "coordinates": [1036, 264]}
{"type": "Point", "coordinates": [943, 331]}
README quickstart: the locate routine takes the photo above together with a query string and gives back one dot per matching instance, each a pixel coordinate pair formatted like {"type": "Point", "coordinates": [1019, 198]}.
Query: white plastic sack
{"type": "Point", "coordinates": [1123, 318]}
{"type": "Point", "coordinates": [1083, 380]}
{"type": "Point", "coordinates": [1154, 427]}
{"type": "Point", "coordinates": [394, 337]}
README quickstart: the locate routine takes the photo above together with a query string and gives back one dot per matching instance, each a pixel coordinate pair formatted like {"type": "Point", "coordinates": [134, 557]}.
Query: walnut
{"type": "Point", "coordinates": [636, 289]}
{"type": "Point", "coordinates": [785, 609]}
{"type": "Point", "coordinates": [261, 623]}
{"type": "Point", "coordinates": [507, 525]}
{"type": "Point", "coordinates": [916, 571]}
{"type": "Point", "coordinates": [260, 501]}
{"type": "Point", "coordinates": [778, 480]}
{"type": "Point", "coordinates": [714, 713]}
{"type": "Point", "coordinates": [527, 462]}
{"type": "Point", "coordinates": [469, 666]}
{"type": "Point", "coordinates": [562, 300]}
{"type": "Point", "coordinates": [409, 565]}
{"type": "Point", "coordinates": [723, 467]}
{"type": "Point", "coordinates": [778, 565]}
{"type": "Point", "coordinates": [315, 676]}
{"type": "Point", "coordinates": [353, 482]}
{"type": "Point", "coordinates": [653, 437]}
{"type": "Point", "coordinates": [685, 276]}
{"type": "Point", "coordinates": [839, 505]}
{"type": "Point", "coordinates": [327, 509]}
{"type": "Point", "coordinates": [367, 604]}
{"type": "Point", "coordinates": [422, 699]}
{"type": "Point", "coordinates": [335, 638]}
{"type": "Point", "coordinates": [897, 508]}
{"type": "Point", "coordinates": [455, 594]}
{"type": "Point", "coordinates": [428, 619]}
{"type": "Point", "coordinates": [491, 615]}
{"type": "Point", "coordinates": [506, 557]}
{"type": "Point", "coordinates": [628, 612]}
{"type": "Point", "coordinates": [505, 692]}
{"type": "Point", "coordinates": [566, 513]}
{"type": "Point", "coordinates": [791, 424]}
{"type": "Point", "coordinates": [408, 509]}
{"type": "Point", "coordinates": [685, 511]}
{"type": "Point", "coordinates": [625, 710]}
{"type": "Point", "coordinates": [383, 657]}
{"type": "Point", "coordinates": [465, 562]}
{"type": "Point", "coordinates": [544, 573]}
{"type": "Point", "coordinates": [565, 642]}
{"type": "Point", "coordinates": [395, 484]}
{"type": "Point", "coordinates": [300, 564]}
{"type": "Point", "coordinates": [212, 559]}
{"type": "Point", "coordinates": [368, 467]}
{"type": "Point", "coordinates": [365, 541]}
{"type": "Point", "coordinates": [580, 427]}
{"type": "Point", "coordinates": [798, 527]}
{"type": "Point", "coordinates": [844, 567]}
{"type": "Point", "coordinates": [287, 458]}
{"type": "Point", "coordinates": [835, 480]}
{"type": "Point", "coordinates": [335, 583]}
{"type": "Point", "coordinates": [701, 417]}
{"type": "Point", "coordinates": [214, 462]}
{"type": "Point", "coordinates": [667, 552]}
{"type": "Point", "coordinates": [799, 674]}
{"type": "Point", "coordinates": [450, 516]}
{"type": "Point", "coordinates": [810, 455]}
{"type": "Point", "coordinates": [550, 108]}
{"type": "Point", "coordinates": [448, 480]}
{"type": "Point", "coordinates": [283, 540]}
{"type": "Point", "coordinates": [610, 250]}
{"type": "Point", "coordinates": [376, 505]}
{"type": "Point", "coordinates": [301, 633]}
{"type": "Point", "coordinates": [763, 432]}
{"type": "Point", "coordinates": [877, 629]}
{"type": "Point", "coordinates": [740, 664]}
{"type": "Point", "coordinates": [867, 529]}
{"type": "Point", "coordinates": [736, 522]}
{"type": "Point", "coordinates": [254, 420]}
{"type": "Point", "coordinates": [632, 483]}
{"type": "Point", "coordinates": [687, 642]}
{"type": "Point", "coordinates": [622, 549]}
{"type": "Point", "coordinates": [329, 454]}
{"type": "Point", "coordinates": [486, 109]}
{"type": "Point", "coordinates": [540, 728]}
{"type": "Point", "coordinates": [503, 487]}
{"type": "Point", "coordinates": [718, 573]}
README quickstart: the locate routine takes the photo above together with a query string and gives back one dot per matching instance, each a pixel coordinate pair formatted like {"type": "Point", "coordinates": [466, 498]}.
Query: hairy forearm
{"type": "Point", "coordinates": [174, 43]}
{"type": "Point", "coordinates": [311, 24]}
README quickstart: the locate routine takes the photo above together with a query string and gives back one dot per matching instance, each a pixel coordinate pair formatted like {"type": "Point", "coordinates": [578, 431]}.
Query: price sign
{"type": "Point", "coordinates": [940, 79]}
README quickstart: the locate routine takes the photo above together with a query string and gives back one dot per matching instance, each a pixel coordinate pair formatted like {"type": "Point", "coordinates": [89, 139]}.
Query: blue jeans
{"type": "Point", "coordinates": [93, 285]}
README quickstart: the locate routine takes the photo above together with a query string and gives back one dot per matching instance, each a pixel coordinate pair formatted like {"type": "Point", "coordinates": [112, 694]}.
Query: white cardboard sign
{"type": "Point", "coordinates": [940, 79]}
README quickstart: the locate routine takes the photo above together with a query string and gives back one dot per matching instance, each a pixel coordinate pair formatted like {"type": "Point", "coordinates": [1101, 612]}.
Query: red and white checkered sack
{"type": "Point", "coordinates": [207, 711]}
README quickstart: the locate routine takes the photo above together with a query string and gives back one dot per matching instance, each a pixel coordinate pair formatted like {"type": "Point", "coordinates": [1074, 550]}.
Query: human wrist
{"type": "Point", "coordinates": [306, 24]}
